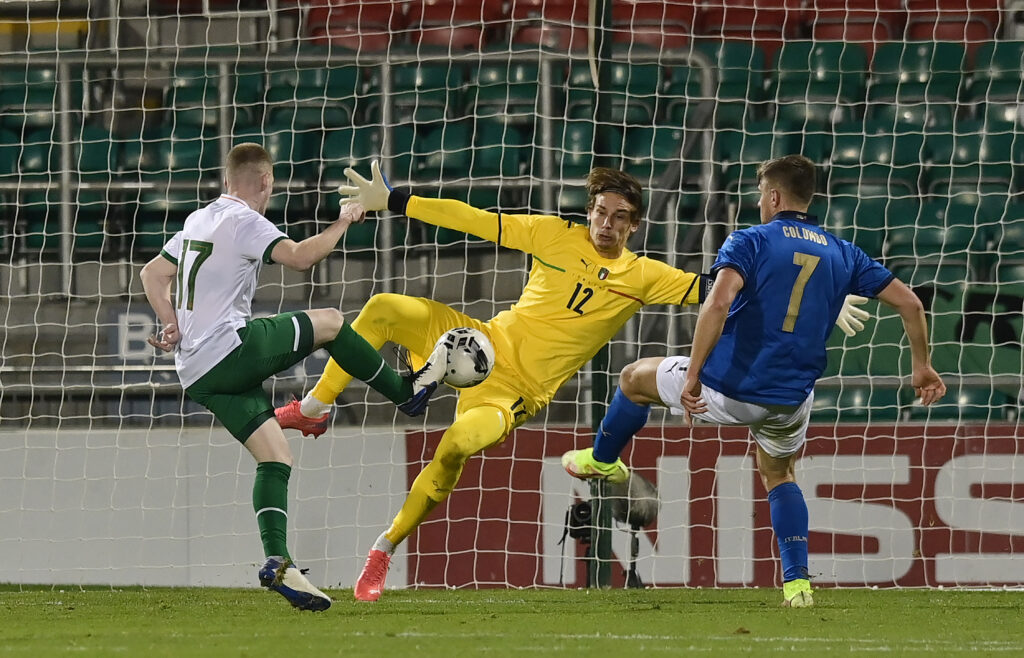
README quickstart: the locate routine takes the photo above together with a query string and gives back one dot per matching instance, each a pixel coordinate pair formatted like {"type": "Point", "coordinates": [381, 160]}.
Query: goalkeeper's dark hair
{"type": "Point", "coordinates": [248, 155]}
{"type": "Point", "coordinates": [795, 174]}
{"type": "Point", "coordinates": [603, 179]}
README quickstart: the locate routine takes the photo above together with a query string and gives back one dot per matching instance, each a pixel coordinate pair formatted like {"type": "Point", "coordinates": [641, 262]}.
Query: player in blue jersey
{"type": "Point", "coordinates": [759, 347]}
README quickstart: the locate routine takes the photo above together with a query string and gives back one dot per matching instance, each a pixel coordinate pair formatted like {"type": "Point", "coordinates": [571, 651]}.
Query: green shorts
{"type": "Point", "coordinates": [233, 389]}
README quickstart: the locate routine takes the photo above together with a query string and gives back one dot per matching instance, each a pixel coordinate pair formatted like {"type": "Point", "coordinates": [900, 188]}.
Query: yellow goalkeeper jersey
{"type": "Point", "coordinates": [574, 301]}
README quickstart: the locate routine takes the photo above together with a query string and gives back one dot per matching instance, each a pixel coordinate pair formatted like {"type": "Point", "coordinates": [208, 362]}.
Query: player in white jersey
{"type": "Point", "coordinates": [223, 356]}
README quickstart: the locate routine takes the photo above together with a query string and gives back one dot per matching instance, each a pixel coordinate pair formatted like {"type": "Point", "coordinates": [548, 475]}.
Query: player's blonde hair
{"type": "Point", "coordinates": [247, 158]}
{"type": "Point", "coordinates": [603, 179]}
{"type": "Point", "coordinates": [795, 174]}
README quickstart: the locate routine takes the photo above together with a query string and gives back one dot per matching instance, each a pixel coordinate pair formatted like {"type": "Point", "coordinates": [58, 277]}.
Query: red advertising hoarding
{"type": "Point", "coordinates": [907, 505]}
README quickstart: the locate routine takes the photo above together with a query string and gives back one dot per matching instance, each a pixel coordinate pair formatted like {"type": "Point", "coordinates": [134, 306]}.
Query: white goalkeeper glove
{"type": "Point", "coordinates": [851, 319]}
{"type": "Point", "coordinates": [372, 194]}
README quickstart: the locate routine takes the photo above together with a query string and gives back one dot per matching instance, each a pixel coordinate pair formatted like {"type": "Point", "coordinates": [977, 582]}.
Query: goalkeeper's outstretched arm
{"type": "Point", "coordinates": [377, 194]}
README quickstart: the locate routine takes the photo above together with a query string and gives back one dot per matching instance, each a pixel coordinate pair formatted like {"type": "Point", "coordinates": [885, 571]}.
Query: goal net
{"type": "Point", "coordinates": [115, 118]}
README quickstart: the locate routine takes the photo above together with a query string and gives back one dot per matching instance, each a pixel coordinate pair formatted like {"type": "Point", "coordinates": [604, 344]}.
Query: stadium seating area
{"type": "Point", "coordinates": [912, 108]}
{"type": "Point", "coordinates": [917, 126]}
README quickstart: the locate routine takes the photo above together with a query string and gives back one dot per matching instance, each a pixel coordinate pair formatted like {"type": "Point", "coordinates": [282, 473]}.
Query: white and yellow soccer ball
{"type": "Point", "coordinates": [470, 356]}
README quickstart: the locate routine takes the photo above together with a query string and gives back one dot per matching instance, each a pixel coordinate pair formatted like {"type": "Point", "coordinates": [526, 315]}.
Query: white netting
{"type": "Point", "coordinates": [114, 118]}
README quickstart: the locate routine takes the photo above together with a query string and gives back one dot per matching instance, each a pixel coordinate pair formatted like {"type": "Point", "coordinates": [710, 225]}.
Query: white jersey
{"type": "Point", "coordinates": [219, 253]}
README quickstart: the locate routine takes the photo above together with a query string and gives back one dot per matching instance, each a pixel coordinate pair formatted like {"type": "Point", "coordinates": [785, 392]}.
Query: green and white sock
{"type": "Point", "coordinates": [362, 361]}
{"type": "Point", "coordinates": [270, 501]}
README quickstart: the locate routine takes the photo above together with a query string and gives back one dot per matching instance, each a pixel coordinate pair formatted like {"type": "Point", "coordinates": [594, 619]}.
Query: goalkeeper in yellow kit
{"type": "Point", "coordinates": [583, 286]}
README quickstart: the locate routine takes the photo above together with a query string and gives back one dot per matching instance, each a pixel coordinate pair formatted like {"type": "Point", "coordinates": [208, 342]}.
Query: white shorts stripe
{"type": "Point", "coordinates": [271, 509]}
{"type": "Point", "coordinates": [295, 344]}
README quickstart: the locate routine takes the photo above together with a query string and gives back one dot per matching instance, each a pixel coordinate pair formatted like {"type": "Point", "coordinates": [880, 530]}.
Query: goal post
{"type": "Point", "coordinates": [113, 127]}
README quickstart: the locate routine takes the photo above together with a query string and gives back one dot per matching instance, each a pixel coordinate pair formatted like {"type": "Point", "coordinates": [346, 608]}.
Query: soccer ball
{"type": "Point", "coordinates": [470, 356]}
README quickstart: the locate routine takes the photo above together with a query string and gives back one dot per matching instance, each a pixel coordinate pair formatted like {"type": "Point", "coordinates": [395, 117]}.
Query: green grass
{"type": "Point", "coordinates": [426, 623]}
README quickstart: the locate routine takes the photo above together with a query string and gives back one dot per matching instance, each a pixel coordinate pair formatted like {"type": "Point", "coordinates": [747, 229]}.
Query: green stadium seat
{"type": "Point", "coordinates": [975, 157]}
{"type": "Point", "coordinates": [570, 202]}
{"type": "Point", "coordinates": [812, 116]}
{"type": "Point", "coordinates": [740, 66]}
{"type": "Point", "coordinates": [633, 92]}
{"type": "Point", "coordinates": [976, 328]}
{"type": "Point", "coordinates": [826, 70]}
{"type": "Point", "coordinates": [740, 152]}
{"type": "Point", "coordinates": [996, 76]}
{"type": "Point", "coordinates": [1001, 112]}
{"type": "Point", "coordinates": [313, 98]}
{"type": "Point", "coordinates": [855, 404]}
{"type": "Point", "coordinates": [1008, 235]}
{"type": "Point", "coordinates": [574, 149]}
{"type": "Point", "coordinates": [40, 213]}
{"type": "Point", "coordinates": [343, 148]}
{"type": "Point", "coordinates": [334, 81]}
{"type": "Point", "coordinates": [421, 92]}
{"type": "Point", "coordinates": [194, 107]}
{"type": "Point", "coordinates": [963, 403]}
{"type": "Point", "coordinates": [939, 274]}
{"type": "Point", "coordinates": [10, 152]}
{"type": "Point", "coordinates": [931, 243]}
{"type": "Point", "coordinates": [179, 171]}
{"type": "Point", "coordinates": [1010, 273]}
{"type": "Point", "coordinates": [403, 140]}
{"type": "Point", "coordinates": [935, 115]}
{"type": "Point", "coordinates": [30, 96]}
{"type": "Point", "coordinates": [500, 149]}
{"type": "Point", "coordinates": [192, 84]}
{"type": "Point", "coordinates": [996, 81]}
{"type": "Point", "coordinates": [682, 97]}
{"type": "Point", "coordinates": [914, 70]}
{"type": "Point", "coordinates": [445, 151]}
{"type": "Point", "coordinates": [509, 91]}
{"type": "Point", "coordinates": [864, 221]}
{"type": "Point", "coordinates": [181, 153]}
{"type": "Point", "coordinates": [870, 160]}
{"type": "Point", "coordinates": [94, 157]}
{"type": "Point", "coordinates": [350, 147]}
{"type": "Point", "coordinates": [306, 108]}
{"type": "Point", "coordinates": [648, 151]}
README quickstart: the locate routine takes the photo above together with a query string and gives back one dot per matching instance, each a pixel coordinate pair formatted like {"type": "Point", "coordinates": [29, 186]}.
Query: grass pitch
{"type": "Point", "coordinates": [451, 624]}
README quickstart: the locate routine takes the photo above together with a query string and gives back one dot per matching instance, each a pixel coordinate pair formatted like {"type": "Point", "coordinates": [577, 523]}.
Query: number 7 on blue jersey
{"type": "Point", "coordinates": [807, 263]}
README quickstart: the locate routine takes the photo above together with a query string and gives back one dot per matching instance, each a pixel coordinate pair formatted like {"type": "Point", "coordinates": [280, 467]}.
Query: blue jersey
{"type": "Point", "coordinates": [796, 276]}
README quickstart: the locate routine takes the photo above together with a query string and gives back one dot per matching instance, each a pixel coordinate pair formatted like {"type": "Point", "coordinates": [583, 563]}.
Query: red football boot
{"type": "Point", "coordinates": [371, 581]}
{"type": "Point", "coordinates": [290, 417]}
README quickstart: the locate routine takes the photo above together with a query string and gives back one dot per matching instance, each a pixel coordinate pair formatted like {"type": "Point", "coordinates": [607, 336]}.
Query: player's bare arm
{"type": "Point", "coordinates": [710, 322]}
{"type": "Point", "coordinates": [926, 382]}
{"type": "Point", "coordinates": [157, 278]}
{"type": "Point", "coordinates": [303, 255]}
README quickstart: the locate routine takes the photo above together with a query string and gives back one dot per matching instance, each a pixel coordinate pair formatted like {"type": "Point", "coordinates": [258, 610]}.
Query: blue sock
{"type": "Point", "coordinates": [624, 419]}
{"type": "Point", "coordinates": [789, 521]}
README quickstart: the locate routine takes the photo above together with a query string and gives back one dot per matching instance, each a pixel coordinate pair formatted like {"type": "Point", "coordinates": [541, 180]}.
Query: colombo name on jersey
{"type": "Point", "coordinates": [574, 301]}
{"type": "Point", "coordinates": [219, 252]}
{"type": "Point", "coordinates": [796, 277]}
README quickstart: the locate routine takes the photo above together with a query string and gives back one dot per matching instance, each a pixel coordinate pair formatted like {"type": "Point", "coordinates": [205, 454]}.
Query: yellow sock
{"type": "Point", "coordinates": [331, 383]}
{"type": "Point", "coordinates": [473, 431]}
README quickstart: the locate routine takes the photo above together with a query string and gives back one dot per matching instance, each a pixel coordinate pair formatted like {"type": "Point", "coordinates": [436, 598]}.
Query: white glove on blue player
{"type": "Point", "coordinates": [851, 319]}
